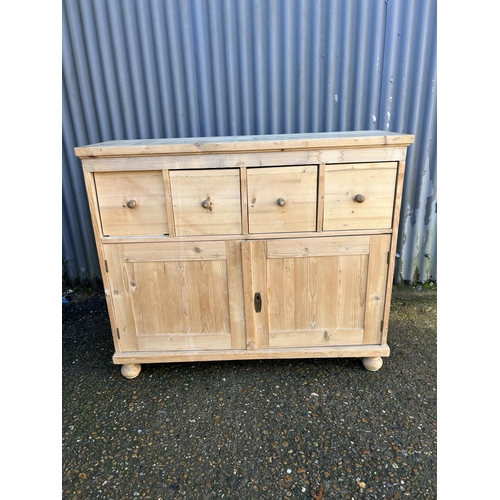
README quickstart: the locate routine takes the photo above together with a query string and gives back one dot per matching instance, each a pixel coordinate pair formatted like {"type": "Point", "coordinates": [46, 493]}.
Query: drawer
{"type": "Point", "coordinates": [131, 203]}
{"type": "Point", "coordinates": [359, 196]}
{"type": "Point", "coordinates": [282, 199]}
{"type": "Point", "coordinates": [206, 202]}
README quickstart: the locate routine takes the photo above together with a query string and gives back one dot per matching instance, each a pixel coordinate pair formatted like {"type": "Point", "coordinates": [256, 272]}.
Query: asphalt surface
{"type": "Point", "coordinates": [300, 429]}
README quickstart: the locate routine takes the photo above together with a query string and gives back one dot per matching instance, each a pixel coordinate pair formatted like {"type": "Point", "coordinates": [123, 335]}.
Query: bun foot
{"type": "Point", "coordinates": [131, 371]}
{"type": "Point", "coordinates": [372, 364]}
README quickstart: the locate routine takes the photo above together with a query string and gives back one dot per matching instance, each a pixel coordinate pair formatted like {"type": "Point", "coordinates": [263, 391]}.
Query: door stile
{"type": "Point", "coordinates": [378, 267]}
{"type": "Point", "coordinates": [255, 285]}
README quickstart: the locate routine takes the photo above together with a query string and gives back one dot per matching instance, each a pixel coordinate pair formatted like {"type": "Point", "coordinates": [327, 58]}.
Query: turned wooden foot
{"type": "Point", "coordinates": [372, 364]}
{"type": "Point", "coordinates": [131, 371]}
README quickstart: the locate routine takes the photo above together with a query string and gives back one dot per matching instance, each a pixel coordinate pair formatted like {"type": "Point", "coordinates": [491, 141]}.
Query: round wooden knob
{"type": "Point", "coordinates": [359, 198]}
{"type": "Point", "coordinates": [131, 204]}
{"type": "Point", "coordinates": [205, 204]}
{"type": "Point", "coordinates": [281, 202]}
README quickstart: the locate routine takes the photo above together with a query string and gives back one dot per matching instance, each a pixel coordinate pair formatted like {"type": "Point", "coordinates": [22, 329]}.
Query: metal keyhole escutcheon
{"type": "Point", "coordinates": [257, 300]}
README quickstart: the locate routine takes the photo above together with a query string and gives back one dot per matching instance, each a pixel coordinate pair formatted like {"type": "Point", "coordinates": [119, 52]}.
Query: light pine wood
{"type": "Point", "coordinates": [115, 190]}
{"type": "Point", "coordinates": [175, 295]}
{"type": "Point", "coordinates": [296, 187]}
{"type": "Point", "coordinates": [236, 296]}
{"type": "Point", "coordinates": [181, 298]}
{"type": "Point", "coordinates": [131, 371]}
{"type": "Point", "coordinates": [254, 269]}
{"type": "Point", "coordinates": [372, 364]}
{"type": "Point", "coordinates": [118, 290]}
{"type": "Point", "coordinates": [325, 298]}
{"type": "Point", "coordinates": [225, 355]}
{"type": "Point", "coordinates": [315, 338]}
{"type": "Point", "coordinates": [282, 142]}
{"type": "Point", "coordinates": [96, 226]}
{"type": "Point", "coordinates": [320, 209]}
{"type": "Point", "coordinates": [377, 285]}
{"type": "Point", "coordinates": [175, 251]}
{"type": "Point", "coordinates": [244, 201]}
{"type": "Point", "coordinates": [184, 342]}
{"type": "Point", "coordinates": [188, 231]}
{"type": "Point", "coordinates": [321, 247]}
{"type": "Point", "coordinates": [111, 240]}
{"type": "Point", "coordinates": [248, 295]}
{"type": "Point", "coordinates": [219, 190]}
{"type": "Point", "coordinates": [394, 241]}
{"type": "Point", "coordinates": [244, 160]}
{"type": "Point", "coordinates": [168, 202]}
{"type": "Point", "coordinates": [376, 182]}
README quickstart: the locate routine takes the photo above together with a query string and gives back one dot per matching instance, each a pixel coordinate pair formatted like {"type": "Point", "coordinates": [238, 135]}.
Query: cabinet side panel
{"type": "Point", "coordinates": [96, 225]}
{"type": "Point", "coordinates": [120, 298]}
{"type": "Point", "coordinates": [394, 242]}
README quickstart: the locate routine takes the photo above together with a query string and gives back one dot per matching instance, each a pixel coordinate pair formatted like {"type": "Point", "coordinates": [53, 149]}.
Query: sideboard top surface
{"type": "Point", "coordinates": [200, 145]}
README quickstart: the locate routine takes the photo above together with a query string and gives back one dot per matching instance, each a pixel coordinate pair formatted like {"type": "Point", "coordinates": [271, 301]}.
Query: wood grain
{"type": "Point", "coordinates": [116, 189]}
{"type": "Point", "coordinates": [206, 234]}
{"type": "Point", "coordinates": [220, 189]}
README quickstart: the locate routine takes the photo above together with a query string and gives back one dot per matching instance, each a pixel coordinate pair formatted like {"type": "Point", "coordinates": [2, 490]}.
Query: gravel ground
{"type": "Point", "coordinates": [301, 429]}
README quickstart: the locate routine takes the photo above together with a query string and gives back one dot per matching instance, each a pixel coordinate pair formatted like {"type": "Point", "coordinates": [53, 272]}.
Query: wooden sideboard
{"type": "Point", "coordinates": [249, 247]}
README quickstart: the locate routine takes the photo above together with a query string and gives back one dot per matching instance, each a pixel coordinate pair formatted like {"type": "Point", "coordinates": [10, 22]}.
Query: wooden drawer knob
{"type": "Point", "coordinates": [281, 202]}
{"type": "Point", "coordinates": [359, 198]}
{"type": "Point", "coordinates": [131, 204]}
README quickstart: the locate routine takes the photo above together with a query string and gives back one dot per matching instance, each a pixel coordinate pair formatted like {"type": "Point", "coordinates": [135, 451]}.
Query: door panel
{"type": "Point", "coordinates": [329, 295]}
{"type": "Point", "coordinates": [180, 298]}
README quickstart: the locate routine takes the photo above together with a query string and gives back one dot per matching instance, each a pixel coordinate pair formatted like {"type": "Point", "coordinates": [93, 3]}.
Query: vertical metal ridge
{"type": "Point", "coordinates": [162, 68]}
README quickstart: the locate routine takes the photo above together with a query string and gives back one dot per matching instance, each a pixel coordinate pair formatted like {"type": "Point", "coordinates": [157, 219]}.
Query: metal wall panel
{"type": "Point", "coordinates": [176, 68]}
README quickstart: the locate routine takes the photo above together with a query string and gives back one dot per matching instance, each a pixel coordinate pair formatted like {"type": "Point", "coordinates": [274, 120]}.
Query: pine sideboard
{"type": "Point", "coordinates": [249, 247]}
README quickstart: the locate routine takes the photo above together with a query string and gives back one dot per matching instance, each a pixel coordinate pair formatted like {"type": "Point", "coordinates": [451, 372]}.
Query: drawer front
{"type": "Point", "coordinates": [132, 203]}
{"type": "Point", "coordinates": [206, 202]}
{"type": "Point", "coordinates": [359, 196]}
{"type": "Point", "coordinates": [282, 199]}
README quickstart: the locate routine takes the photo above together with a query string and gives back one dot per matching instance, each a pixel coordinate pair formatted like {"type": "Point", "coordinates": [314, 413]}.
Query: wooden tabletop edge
{"type": "Point", "coordinates": [242, 144]}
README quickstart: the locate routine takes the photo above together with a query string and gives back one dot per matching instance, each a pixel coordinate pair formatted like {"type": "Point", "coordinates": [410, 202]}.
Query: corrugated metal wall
{"type": "Point", "coordinates": [135, 69]}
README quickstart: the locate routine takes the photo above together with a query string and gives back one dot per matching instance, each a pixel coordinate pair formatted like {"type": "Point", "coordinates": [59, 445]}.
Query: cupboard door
{"type": "Point", "coordinates": [206, 202]}
{"type": "Point", "coordinates": [317, 292]}
{"type": "Point", "coordinates": [177, 296]}
{"type": "Point", "coordinates": [359, 196]}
